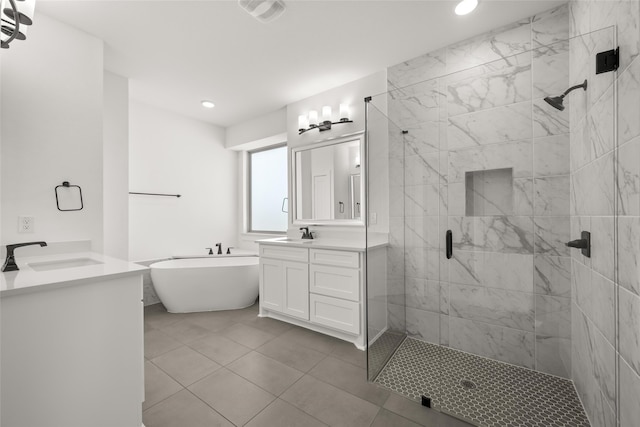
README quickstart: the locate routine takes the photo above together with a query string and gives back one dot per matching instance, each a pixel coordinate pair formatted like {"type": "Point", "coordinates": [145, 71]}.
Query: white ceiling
{"type": "Point", "coordinates": [177, 53]}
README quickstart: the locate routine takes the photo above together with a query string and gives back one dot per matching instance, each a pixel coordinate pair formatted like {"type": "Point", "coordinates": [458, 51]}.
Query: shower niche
{"type": "Point", "coordinates": [489, 192]}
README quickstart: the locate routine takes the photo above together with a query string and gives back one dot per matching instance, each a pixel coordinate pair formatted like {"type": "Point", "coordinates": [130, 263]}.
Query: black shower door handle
{"type": "Point", "coordinates": [449, 244]}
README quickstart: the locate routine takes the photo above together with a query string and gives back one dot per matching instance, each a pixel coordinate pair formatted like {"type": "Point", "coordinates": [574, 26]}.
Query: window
{"type": "Point", "coordinates": [268, 189]}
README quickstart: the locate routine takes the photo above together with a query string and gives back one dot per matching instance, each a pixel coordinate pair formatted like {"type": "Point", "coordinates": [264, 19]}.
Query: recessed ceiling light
{"type": "Point", "coordinates": [208, 104]}
{"type": "Point", "coordinates": [466, 6]}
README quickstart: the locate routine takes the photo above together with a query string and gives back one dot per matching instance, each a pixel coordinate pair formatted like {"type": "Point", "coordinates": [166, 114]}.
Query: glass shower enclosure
{"type": "Point", "coordinates": [475, 185]}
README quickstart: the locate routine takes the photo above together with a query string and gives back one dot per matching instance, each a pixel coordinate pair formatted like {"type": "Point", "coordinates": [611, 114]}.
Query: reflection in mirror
{"type": "Point", "coordinates": [354, 195]}
{"type": "Point", "coordinates": [328, 184]}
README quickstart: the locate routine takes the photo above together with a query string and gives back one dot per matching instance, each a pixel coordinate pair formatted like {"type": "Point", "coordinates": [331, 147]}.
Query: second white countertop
{"type": "Point", "coordinates": [333, 244]}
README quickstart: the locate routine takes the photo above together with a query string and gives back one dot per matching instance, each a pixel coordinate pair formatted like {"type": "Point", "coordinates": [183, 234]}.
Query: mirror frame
{"type": "Point", "coordinates": [359, 136]}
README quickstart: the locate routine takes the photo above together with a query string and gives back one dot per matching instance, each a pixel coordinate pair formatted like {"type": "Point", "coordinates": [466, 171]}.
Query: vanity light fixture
{"type": "Point", "coordinates": [14, 20]}
{"type": "Point", "coordinates": [208, 104]}
{"type": "Point", "coordinates": [310, 121]}
{"type": "Point", "coordinates": [466, 6]}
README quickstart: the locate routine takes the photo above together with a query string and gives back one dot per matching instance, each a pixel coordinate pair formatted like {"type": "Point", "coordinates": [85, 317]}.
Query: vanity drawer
{"type": "Point", "coordinates": [335, 281]}
{"type": "Point", "coordinates": [336, 258]}
{"type": "Point", "coordinates": [335, 313]}
{"type": "Point", "coordinates": [284, 253]}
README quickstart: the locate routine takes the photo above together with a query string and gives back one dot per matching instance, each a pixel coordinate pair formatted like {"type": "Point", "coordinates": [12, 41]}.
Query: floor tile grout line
{"type": "Point", "coordinates": [175, 379]}
{"type": "Point", "coordinates": [341, 389]}
{"type": "Point", "coordinates": [290, 404]}
{"type": "Point", "coordinates": [166, 398]}
{"type": "Point", "coordinates": [257, 385]}
{"type": "Point", "coordinates": [214, 409]}
{"type": "Point", "coordinates": [209, 406]}
{"type": "Point", "coordinates": [223, 365]}
{"type": "Point", "coordinates": [294, 405]}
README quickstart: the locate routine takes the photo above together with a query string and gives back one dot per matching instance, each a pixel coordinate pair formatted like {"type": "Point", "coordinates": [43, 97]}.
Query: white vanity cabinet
{"type": "Point", "coordinates": [320, 289]}
{"type": "Point", "coordinates": [72, 350]}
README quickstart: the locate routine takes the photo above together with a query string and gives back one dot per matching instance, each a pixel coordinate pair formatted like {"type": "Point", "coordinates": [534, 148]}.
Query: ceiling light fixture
{"type": "Point", "coordinates": [263, 10]}
{"type": "Point", "coordinates": [310, 121]}
{"type": "Point", "coordinates": [466, 6]}
{"type": "Point", "coordinates": [208, 104]}
{"type": "Point", "coordinates": [14, 20]}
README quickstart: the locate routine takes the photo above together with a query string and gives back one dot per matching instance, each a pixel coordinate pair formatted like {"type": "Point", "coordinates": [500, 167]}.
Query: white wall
{"type": "Point", "coordinates": [265, 126]}
{"type": "Point", "coordinates": [52, 132]}
{"type": "Point", "coordinates": [116, 165]}
{"type": "Point", "coordinates": [173, 154]}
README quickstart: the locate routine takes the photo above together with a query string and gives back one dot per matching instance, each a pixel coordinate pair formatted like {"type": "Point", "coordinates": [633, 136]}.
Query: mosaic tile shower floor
{"type": "Point", "coordinates": [481, 391]}
{"type": "Point", "coordinates": [382, 349]}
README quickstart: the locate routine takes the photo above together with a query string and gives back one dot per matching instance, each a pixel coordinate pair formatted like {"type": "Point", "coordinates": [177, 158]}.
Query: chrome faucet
{"type": "Point", "coordinates": [10, 262]}
{"type": "Point", "coordinates": [219, 246]}
{"type": "Point", "coordinates": [306, 234]}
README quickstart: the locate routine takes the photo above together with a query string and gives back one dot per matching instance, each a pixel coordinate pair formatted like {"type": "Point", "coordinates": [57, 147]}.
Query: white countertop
{"type": "Point", "coordinates": [27, 279]}
{"type": "Point", "coordinates": [333, 244]}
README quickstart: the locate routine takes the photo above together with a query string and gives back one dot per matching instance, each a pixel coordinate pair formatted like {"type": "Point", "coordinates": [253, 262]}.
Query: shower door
{"type": "Point", "coordinates": [477, 154]}
{"type": "Point", "coordinates": [386, 327]}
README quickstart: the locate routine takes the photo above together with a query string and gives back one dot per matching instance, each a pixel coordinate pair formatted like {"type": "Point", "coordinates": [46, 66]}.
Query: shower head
{"type": "Point", "coordinates": [557, 101]}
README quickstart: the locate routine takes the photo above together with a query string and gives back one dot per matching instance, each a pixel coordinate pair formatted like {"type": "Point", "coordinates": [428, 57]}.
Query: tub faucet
{"type": "Point", "coordinates": [306, 234]}
{"type": "Point", "coordinates": [229, 250]}
{"type": "Point", "coordinates": [10, 262]}
{"type": "Point", "coordinates": [219, 246]}
{"type": "Point", "coordinates": [210, 251]}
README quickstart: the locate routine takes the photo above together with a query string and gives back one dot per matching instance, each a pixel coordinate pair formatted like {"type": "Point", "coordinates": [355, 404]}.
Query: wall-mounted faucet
{"type": "Point", "coordinates": [219, 246]}
{"type": "Point", "coordinates": [10, 262]}
{"type": "Point", "coordinates": [306, 234]}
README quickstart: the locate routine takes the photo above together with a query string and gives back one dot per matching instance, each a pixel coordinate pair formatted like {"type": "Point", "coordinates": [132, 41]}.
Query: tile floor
{"type": "Point", "coordinates": [232, 368]}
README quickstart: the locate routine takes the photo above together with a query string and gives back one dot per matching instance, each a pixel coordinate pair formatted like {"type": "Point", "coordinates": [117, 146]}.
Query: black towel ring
{"type": "Point", "coordinates": [66, 184]}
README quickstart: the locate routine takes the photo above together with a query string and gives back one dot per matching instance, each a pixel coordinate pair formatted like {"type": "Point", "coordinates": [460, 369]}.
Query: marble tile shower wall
{"type": "Point", "coordinates": [595, 191]}
{"type": "Point", "coordinates": [474, 107]}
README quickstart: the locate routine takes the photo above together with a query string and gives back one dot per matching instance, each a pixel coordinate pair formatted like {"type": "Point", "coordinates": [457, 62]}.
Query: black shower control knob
{"type": "Point", "coordinates": [584, 243]}
{"type": "Point", "coordinates": [580, 243]}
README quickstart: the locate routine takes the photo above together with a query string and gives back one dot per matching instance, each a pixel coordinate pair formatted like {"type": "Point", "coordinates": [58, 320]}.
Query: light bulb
{"type": "Point", "coordinates": [303, 122]}
{"type": "Point", "coordinates": [344, 112]}
{"type": "Point", "coordinates": [208, 104]}
{"type": "Point", "coordinates": [313, 118]}
{"type": "Point", "coordinates": [466, 6]}
{"type": "Point", "coordinates": [326, 113]}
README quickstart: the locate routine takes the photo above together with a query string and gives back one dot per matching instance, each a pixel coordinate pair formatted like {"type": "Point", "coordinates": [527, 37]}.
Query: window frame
{"type": "Point", "coordinates": [249, 223]}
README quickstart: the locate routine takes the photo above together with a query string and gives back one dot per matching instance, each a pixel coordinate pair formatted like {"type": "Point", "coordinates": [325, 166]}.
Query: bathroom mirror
{"type": "Point", "coordinates": [328, 183]}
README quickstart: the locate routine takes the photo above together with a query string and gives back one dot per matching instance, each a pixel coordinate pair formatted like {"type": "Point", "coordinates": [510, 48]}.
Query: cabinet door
{"type": "Point", "coordinates": [271, 284]}
{"type": "Point", "coordinates": [296, 289]}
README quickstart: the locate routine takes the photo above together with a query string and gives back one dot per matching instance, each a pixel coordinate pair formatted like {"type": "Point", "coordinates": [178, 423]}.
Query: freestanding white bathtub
{"type": "Point", "coordinates": [206, 284]}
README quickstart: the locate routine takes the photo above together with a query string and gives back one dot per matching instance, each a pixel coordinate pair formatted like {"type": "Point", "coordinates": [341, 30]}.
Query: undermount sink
{"type": "Point", "coordinates": [288, 240]}
{"type": "Point", "coordinates": [63, 263]}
